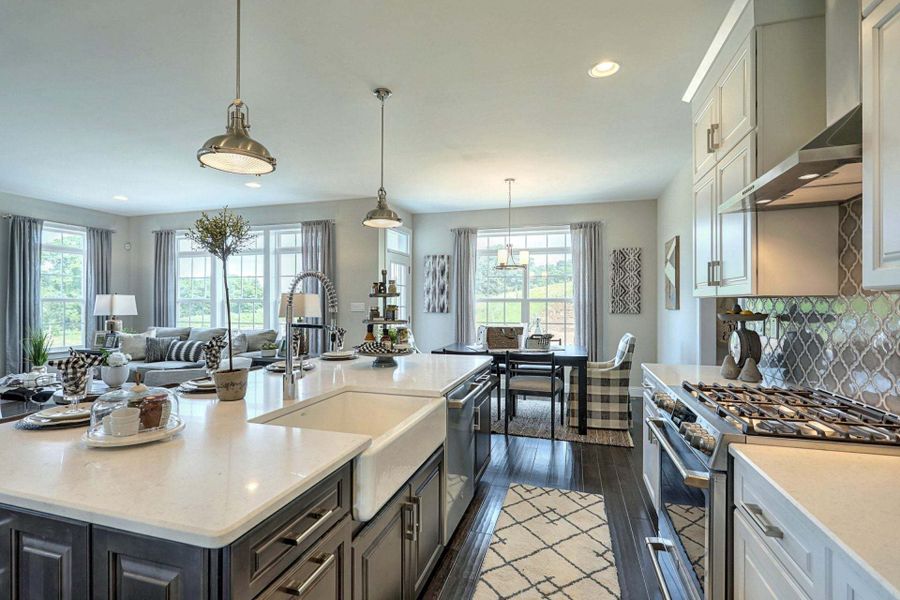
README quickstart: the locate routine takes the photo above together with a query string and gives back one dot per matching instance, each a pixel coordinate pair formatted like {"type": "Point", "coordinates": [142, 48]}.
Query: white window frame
{"type": "Point", "coordinates": [82, 232]}
{"type": "Point", "coordinates": [525, 301]}
{"type": "Point", "coordinates": [387, 256]}
{"type": "Point", "coordinates": [271, 275]}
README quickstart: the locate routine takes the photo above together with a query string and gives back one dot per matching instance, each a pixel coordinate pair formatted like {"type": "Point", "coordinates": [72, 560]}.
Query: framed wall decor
{"type": "Point", "coordinates": [437, 283]}
{"type": "Point", "coordinates": [625, 281]}
{"type": "Point", "coordinates": [672, 271]}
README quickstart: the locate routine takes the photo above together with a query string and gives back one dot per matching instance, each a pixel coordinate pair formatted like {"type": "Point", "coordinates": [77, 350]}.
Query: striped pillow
{"type": "Point", "coordinates": [186, 351]}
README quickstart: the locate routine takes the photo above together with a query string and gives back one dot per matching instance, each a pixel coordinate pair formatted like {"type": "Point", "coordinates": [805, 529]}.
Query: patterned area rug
{"type": "Point", "coordinates": [549, 543]}
{"type": "Point", "coordinates": [533, 420]}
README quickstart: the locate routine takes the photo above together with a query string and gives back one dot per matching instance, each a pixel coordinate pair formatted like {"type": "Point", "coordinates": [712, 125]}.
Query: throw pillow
{"type": "Point", "coordinates": [205, 334]}
{"type": "Point", "coordinates": [181, 333]}
{"type": "Point", "coordinates": [186, 351]}
{"type": "Point", "coordinates": [157, 349]}
{"type": "Point", "coordinates": [135, 344]}
{"type": "Point", "coordinates": [257, 337]}
{"type": "Point", "coordinates": [239, 343]}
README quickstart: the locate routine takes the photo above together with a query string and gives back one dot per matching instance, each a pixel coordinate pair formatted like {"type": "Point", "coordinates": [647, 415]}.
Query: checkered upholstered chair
{"type": "Point", "coordinates": [608, 402]}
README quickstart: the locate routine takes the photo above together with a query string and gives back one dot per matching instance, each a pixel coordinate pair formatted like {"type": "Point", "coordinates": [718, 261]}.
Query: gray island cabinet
{"type": "Point", "coordinates": [305, 550]}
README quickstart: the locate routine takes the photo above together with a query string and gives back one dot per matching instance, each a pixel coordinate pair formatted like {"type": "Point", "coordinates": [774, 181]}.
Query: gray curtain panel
{"type": "Point", "coordinates": [23, 288]}
{"type": "Point", "coordinates": [317, 247]}
{"type": "Point", "coordinates": [98, 272]}
{"type": "Point", "coordinates": [164, 278]}
{"type": "Point", "coordinates": [464, 258]}
{"type": "Point", "coordinates": [587, 263]}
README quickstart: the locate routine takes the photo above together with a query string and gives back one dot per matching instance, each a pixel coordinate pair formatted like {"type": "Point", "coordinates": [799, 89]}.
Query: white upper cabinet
{"type": "Point", "coordinates": [737, 99]}
{"type": "Point", "coordinates": [705, 205]}
{"type": "Point", "coordinates": [735, 267]}
{"type": "Point", "coordinates": [881, 146]}
{"type": "Point", "coordinates": [705, 122]}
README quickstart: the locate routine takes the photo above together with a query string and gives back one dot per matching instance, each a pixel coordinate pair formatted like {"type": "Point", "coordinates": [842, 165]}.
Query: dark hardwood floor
{"type": "Point", "coordinates": [613, 472]}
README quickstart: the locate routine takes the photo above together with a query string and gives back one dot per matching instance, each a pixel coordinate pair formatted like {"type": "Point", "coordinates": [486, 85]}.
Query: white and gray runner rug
{"type": "Point", "coordinates": [550, 543]}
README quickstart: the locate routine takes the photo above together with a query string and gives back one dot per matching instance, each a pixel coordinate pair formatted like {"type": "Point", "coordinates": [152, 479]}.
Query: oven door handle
{"type": "Point", "coordinates": [697, 479]}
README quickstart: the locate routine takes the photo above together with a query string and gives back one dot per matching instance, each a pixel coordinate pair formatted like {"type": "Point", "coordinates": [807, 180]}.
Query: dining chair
{"type": "Point", "coordinates": [534, 374]}
{"type": "Point", "coordinates": [608, 398]}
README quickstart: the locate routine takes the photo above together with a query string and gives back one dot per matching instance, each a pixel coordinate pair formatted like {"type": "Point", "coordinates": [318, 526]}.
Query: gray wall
{"type": "Point", "coordinates": [356, 249]}
{"type": "Point", "coordinates": [70, 215]}
{"type": "Point", "coordinates": [627, 224]}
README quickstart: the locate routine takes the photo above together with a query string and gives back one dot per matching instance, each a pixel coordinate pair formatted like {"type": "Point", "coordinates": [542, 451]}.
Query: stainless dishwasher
{"type": "Point", "coordinates": [460, 446]}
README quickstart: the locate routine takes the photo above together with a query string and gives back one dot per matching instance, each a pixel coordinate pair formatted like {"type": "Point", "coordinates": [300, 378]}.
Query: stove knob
{"type": "Point", "coordinates": [706, 443]}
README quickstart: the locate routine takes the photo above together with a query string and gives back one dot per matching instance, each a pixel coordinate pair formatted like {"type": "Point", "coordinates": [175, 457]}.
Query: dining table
{"type": "Point", "coordinates": [567, 356]}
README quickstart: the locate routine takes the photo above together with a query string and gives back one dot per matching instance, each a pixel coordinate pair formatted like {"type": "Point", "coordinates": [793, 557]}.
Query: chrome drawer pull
{"type": "Point", "coordinates": [759, 517]}
{"type": "Point", "coordinates": [656, 545]}
{"type": "Point", "coordinates": [320, 517]}
{"type": "Point", "coordinates": [325, 563]}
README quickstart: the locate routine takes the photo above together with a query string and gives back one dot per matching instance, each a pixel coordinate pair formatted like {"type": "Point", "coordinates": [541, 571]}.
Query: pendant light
{"type": "Point", "coordinates": [506, 261]}
{"type": "Point", "coordinates": [235, 151]}
{"type": "Point", "coordinates": [382, 217]}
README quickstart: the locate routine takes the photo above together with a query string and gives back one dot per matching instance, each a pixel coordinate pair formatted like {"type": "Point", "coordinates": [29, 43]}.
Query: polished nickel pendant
{"type": "Point", "coordinates": [382, 216]}
{"type": "Point", "coordinates": [235, 151]}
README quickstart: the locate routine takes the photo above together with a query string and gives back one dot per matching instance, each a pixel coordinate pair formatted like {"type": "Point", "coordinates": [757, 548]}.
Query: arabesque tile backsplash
{"type": "Point", "coordinates": [848, 344]}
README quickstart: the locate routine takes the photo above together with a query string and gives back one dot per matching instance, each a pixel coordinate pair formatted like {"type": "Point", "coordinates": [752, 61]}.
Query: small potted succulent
{"type": "Point", "coordinates": [268, 350]}
{"type": "Point", "coordinates": [223, 235]}
{"type": "Point", "coordinates": [114, 368]}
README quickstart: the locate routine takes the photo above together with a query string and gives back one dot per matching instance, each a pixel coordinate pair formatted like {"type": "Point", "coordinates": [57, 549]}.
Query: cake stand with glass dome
{"type": "Point", "coordinates": [157, 410]}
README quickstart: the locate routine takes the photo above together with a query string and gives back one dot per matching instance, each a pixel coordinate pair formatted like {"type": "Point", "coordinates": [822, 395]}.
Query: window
{"type": "Point", "coordinates": [62, 284]}
{"type": "Point", "coordinates": [397, 261]}
{"type": "Point", "coordinates": [543, 291]}
{"type": "Point", "coordinates": [256, 278]}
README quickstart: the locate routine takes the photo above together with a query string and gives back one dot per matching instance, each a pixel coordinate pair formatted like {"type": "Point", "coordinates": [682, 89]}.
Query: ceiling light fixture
{"type": "Point", "coordinates": [235, 151]}
{"type": "Point", "coordinates": [604, 69]}
{"type": "Point", "coordinates": [808, 176]}
{"type": "Point", "coordinates": [253, 184]}
{"type": "Point", "coordinates": [505, 259]}
{"type": "Point", "coordinates": [120, 197]}
{"type": "Point", "coordinates": [382, 217]}
{"type": "Point", "coordinates": [766, 201]}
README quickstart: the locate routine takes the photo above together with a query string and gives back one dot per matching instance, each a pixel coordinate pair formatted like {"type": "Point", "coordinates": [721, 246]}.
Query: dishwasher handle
{"type": "Point", "coordinates": [484, 387]}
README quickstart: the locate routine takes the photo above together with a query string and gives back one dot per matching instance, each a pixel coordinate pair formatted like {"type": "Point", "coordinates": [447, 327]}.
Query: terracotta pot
{"type": "Point", "coordinates": [231, 385]}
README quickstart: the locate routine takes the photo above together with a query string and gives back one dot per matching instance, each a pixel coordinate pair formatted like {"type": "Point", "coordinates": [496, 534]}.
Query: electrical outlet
{"type": "Point", "coordinates": [357, 307]}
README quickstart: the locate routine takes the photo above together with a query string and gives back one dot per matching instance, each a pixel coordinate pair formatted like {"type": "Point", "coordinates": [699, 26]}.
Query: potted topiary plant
{"type": "Point", "coordinates": [223, 235]}
{"type": "Point", "coordinates": [268, 349]}
{"type": "Point", "coordinates": [37, 353]}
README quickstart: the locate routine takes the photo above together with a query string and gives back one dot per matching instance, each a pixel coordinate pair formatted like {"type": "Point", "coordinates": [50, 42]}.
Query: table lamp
{"type": "Point", "coordinates": [114, 306]}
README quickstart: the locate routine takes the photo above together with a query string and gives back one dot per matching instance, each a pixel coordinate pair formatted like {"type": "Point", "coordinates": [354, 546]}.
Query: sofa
{"type": "Point", "coordinates": [163, 372]}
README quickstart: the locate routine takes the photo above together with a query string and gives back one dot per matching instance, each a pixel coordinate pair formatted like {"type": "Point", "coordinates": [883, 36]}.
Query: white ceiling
{"type": "Point", "coordinates": [115, 96]}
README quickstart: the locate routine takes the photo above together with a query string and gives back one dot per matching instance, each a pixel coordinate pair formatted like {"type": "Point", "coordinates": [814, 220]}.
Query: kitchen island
{"type": "Point", "coordinates": [227, 473]}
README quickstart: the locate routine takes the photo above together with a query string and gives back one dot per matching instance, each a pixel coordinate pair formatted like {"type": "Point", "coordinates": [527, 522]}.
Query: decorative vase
{"type": "Point", "coordinates": [268, 353]}
{"type": "Point", "coordinates": [231, 384]}
{"type": "Point", "coordinates": [114, 377]}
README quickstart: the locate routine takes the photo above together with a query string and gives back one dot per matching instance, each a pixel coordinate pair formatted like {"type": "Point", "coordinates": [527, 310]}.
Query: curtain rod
{"type": "Point", "coordinates": [10, 216]}
{"type": "Point", "coordinates": [265, 225]}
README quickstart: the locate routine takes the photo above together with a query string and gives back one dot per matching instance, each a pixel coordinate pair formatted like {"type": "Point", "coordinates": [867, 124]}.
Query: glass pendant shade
{"type": "Point", "coordinates": [235, 151]}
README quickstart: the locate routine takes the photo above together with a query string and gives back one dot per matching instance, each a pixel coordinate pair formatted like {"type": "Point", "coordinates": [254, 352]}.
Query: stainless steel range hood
{"type": "Point", "coordinates": [827, 170]}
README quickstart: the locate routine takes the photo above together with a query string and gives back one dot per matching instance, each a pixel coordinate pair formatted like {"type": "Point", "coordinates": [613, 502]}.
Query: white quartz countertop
{"type": "Point", "coordinates": [222, 475]}
{"type": "Point", "coordinates": [851, 496]}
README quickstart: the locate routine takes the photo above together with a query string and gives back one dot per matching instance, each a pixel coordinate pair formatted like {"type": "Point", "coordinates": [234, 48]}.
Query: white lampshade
{"type": "Point", "coordinates": [120, 305]}
{"type": "Point", "coordinates": [502, 256]}
{"type": "Point", "coordinates": [305, 305]}
{"type": "Point", "coordinates": [523, 257]}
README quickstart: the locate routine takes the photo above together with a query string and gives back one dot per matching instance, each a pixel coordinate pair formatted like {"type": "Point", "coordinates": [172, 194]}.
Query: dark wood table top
{"type": "Point", "coordinates": [570, 351]}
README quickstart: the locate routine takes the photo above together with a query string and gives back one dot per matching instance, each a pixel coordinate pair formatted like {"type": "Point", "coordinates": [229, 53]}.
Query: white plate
{"type": "Point", "coordinates": [205, 382]}
{"type": "Point", "coordinates": [97, 439]}
{"type": "Point", "coordinates": [67, 412]}
{"type": "Point", "coordinates": [338, 354]}
{"type": "Point", "coordinates": [353, 356]}
{"type": "Point", "coordinates": [51, 423]}
{"type": "Point", "coordinates": [278, 367]}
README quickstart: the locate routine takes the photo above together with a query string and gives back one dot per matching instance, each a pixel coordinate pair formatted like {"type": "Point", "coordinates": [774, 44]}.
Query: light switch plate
{"type": "Point", "coordinates": [357, 307]}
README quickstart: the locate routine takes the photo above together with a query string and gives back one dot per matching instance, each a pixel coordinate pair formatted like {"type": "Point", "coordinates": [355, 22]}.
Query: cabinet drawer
{"type": "Point", "coordinates": [264, 553]}
{"type": "Point", "coordinates": [323, 573]}
{"type": "Point", "coordinates": [789, 535]}
{"type": "Point", "coordinates": [757, 573]}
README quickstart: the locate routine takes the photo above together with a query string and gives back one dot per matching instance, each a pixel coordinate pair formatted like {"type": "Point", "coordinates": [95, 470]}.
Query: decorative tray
{"type": "Point", "coordinates": [97, 439]}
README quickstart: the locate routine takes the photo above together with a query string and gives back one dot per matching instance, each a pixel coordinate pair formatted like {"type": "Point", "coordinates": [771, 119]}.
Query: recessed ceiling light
{"type": "Point", "coordinates": [763, 201]}
{"type": "Point", "coordinates": [120, 197]}
{"type": "Point", "coordinates": [253, 184]}
{"type": "Point", "coordinates": [809, 176]}
{"type": "Point", "coordinates": [604, 69]}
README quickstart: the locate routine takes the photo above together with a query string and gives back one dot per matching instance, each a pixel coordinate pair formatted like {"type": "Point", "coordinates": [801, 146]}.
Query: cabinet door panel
{"type": "Point", "coordinates": [757, 574]}
{"type": "Point", "coordinates": [704, 234]}
{"type": "Point", "coordinates": [428, 542]}
{"type": "Point", "coordinates": [704, 119]}
{"type": "Point", "coordinates": [735, 260]}
{"type": "Point", "coordinates": [135, 567]}
{"type": "Point", "coordinates": [737, 100]}
{"type": "Point", "coordinates": [42, 557]}
{"type": "Point", "coordinates": [881, 146]}
{"type": "Point", "coordinates": [380, 553]}
{"type": "Point", "coordinates": [650, 454]}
